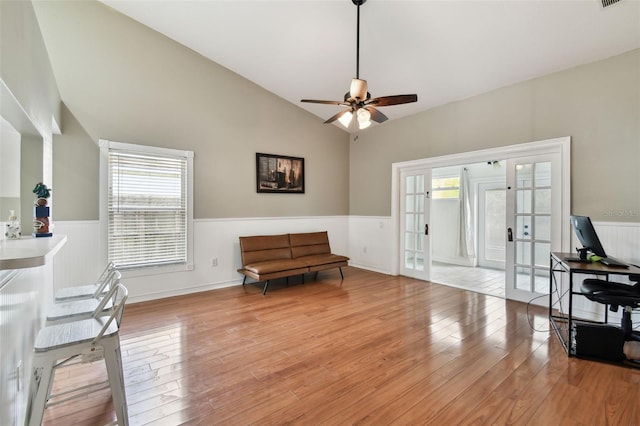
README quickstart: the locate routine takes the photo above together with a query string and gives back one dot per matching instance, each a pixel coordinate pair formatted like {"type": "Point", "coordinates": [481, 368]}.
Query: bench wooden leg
{"type": "Point", "coordinates": [264, 290]}
{"type": "Point", "coordinates": [244, 280]}
{"type": "Point", "coordinates": [341, 275]}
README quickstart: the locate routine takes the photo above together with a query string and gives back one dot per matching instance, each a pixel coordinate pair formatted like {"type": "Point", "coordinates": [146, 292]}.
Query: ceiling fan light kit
{"type": "Point", "coordinates": [358, 99]}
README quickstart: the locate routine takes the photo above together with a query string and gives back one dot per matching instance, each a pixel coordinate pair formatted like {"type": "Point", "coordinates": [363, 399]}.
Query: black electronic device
{"type": "Point", "coordinates": [588, 237]}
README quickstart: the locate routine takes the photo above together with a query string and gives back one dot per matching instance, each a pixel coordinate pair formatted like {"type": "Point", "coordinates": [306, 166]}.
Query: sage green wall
{"type": "Point", "coordinates": [123, 81]}
{"type": "Point", "coordinates": [31, 164]}
{"type": "Point", "coordinates": [25, 66]}
{"type": "Point", "coordinates": [75, 172]}
{"type": "Point", "coordinates": [597, 104]}
{"type": "Point", "coordinates": [33, 102]}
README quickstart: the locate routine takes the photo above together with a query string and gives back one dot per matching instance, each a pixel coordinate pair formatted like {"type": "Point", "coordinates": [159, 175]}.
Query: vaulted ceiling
{"type": "Point", "coordinates": [441, 50]}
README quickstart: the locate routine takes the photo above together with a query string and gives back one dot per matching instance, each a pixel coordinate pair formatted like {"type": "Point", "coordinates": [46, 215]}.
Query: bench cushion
{"type": "Point", "coordinates": [264, 248]}
{"type": "Point", "coordinates": [309, 243]}
{"type": "Point", "coordinates": [323, 259]}
{"type": "Point", "coordinates": [275, 265]}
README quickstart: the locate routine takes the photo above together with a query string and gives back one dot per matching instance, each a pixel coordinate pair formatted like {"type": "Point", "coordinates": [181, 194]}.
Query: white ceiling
{"type": "Point", "coordinates": [441, 50]}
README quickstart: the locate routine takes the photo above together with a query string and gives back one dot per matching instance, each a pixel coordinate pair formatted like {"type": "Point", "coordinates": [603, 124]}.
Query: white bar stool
{"type": "Point", "coordinates": [92, 339]}
{"type": "Point", "coordinates": [83, 308]}
{"type": "Point", "coordinates": [87, 291]}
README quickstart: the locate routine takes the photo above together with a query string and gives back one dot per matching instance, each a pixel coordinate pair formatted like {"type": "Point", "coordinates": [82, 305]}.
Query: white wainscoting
{"type": "Point", "coordinates": [367, 240]}
{"type": "Point", "coordinates": [79, 261]}
{"type": "Point", "coordinates": [620, 240]}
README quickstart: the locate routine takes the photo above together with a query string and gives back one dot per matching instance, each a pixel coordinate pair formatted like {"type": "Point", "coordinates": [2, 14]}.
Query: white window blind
{"type": "Point", "coordinates": [147, 208]}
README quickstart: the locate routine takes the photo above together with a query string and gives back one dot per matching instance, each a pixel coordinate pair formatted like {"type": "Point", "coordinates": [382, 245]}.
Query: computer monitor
{"type": "Point", "coordinates": [587, 234]}
{"type": "Point", "coordinates": [589, 239]}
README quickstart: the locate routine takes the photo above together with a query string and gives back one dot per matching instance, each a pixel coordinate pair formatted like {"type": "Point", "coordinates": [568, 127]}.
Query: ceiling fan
{"type": "Point", "coordinates": [358, 99]}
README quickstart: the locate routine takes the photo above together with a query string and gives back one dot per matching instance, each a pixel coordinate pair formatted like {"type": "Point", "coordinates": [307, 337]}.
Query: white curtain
{"type": "Point", "coordinates": [466, 246]}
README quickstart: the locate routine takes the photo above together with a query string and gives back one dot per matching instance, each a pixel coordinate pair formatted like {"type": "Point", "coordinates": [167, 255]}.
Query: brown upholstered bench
{"type": "Point", "coordinates": [267, 257]}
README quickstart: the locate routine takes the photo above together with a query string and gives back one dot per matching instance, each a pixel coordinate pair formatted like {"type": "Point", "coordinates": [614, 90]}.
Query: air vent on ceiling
{"type": "Point", "coordinates": [607, 3]}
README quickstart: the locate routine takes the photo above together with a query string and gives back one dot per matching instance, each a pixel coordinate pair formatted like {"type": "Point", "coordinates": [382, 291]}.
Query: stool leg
{"type": "Point", "coordinates": [39, 389]}
{"type": "Point", "coordinates": [113, 361]}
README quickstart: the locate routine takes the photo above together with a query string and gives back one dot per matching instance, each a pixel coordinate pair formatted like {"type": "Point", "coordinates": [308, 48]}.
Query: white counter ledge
{"type": "Point", "coordinates": [28, 252]}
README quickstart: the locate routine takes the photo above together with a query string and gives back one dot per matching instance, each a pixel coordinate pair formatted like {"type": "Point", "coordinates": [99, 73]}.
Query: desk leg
{"type": "Point", "coordinates": [551, 288]}
{"type": "Point", "coordinates": [570, 319]}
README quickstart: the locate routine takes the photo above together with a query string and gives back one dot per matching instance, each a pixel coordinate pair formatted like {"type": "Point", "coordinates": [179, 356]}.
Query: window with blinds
{"type": "Point", "coordinates": [147, 208]}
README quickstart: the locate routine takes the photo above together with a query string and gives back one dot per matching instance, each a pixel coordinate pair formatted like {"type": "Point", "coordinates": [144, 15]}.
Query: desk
{"type": "Point", "coordinates": [560, 266]}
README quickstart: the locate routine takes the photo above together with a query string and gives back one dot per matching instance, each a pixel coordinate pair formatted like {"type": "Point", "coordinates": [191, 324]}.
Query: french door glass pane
{"type": "Point", "coordinates": [523, 227]}
{"type": "Point", "coordinates": [543, 201]}
{"type": "Point", "coordinates": [542, 228]}
{"type": "Point", "coordinates": [410, 180]}
{"type": "Point", "coordinates": [408, 204]}
{"type": "Point", "coordinates": [523, 279]}
{"type": "Point", "coordinates": [543, 174]}
{"type": "Point", "coordinates": [523, 176]}
{"type": "Point", "coordinates": [408, 259]}
{"type": "Point", "coordinates": [409, 226]}
{"type": "Point", "coordinates": [523, 253]}
{"type": "Point", "coordinates": [409, 241]}
{"type": "Point", "coordinates": [541, 282]}
{"type": "Point", "coordinates": [523, 201]}
{"type": "Point", "coordinates": [541, 254]}
{"type": "Point", "coordinates": [420, 203]}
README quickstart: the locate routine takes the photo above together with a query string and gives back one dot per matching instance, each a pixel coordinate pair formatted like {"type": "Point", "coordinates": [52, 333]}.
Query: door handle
{"type": "Point", "coordinates": [509, 234]}
{"type": "Point", "coordinates": [426, 229]}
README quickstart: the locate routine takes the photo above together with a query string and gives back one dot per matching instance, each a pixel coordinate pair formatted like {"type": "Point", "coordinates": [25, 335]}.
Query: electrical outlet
{"type": "Point", "coordinates": [214, 261]}
{"type": "Point", "coordinates": [364, 249]}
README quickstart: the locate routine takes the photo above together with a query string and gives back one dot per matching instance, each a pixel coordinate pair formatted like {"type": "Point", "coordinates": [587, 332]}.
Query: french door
{"type": "Point", "coordinates": [534, 223]}
{"type": "Point", "coordinates": [415, 191]}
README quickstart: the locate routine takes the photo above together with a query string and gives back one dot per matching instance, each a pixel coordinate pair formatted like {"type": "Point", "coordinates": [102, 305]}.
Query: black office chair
{"type": "Point", "coordinates": [616, 295]}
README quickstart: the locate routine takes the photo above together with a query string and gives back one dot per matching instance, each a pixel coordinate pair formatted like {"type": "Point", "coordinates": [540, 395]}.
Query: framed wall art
{"type": "Point", "coordinates": [279, 174]}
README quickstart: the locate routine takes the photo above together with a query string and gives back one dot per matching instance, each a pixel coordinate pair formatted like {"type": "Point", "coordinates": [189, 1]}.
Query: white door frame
{"type": "Point", "coordinates": [558, 145]}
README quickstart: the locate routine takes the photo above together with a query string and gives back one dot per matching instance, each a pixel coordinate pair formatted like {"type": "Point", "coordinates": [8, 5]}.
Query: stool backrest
{"type": "Point", "coordinates": [119, 294]}
{"type": "Point", "coordinates": [109, 297]}
{"type": "Point", "coordinates": [105, 279]}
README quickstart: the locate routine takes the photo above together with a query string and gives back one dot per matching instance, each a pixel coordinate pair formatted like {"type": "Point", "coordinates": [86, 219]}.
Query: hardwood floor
{"type": "Point", "coordinates": [373, 349]}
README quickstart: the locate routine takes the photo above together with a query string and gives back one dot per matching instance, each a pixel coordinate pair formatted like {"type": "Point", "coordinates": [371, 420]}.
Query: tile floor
{"type": "Point", "coordinates": [481, 280]}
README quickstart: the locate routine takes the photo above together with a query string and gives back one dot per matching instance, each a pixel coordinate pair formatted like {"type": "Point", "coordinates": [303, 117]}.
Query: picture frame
{"type": "Point", "coordinates": [279, 174]}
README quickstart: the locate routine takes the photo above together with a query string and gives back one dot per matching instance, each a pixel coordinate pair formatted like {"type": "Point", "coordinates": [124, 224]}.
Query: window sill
{"type": "Point", "coordinates": [155, 270]}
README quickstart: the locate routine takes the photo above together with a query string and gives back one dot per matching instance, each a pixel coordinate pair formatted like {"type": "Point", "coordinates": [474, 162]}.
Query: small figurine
{"type": "Point", "coordinates": [13, 227]}
{"type": "Point", "coordinates": [41, 220]}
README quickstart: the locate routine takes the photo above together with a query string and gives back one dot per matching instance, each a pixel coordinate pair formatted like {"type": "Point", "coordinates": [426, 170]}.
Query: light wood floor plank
{"type": "Point", "coordinates": [371, 349]}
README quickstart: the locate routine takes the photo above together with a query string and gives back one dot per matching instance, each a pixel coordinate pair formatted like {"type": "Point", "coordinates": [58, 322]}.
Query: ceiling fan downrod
{"type": "Point", "coordinates": [358, 3]}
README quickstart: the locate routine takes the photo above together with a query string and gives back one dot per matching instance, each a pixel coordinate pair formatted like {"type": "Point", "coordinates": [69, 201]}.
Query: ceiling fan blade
{"type": "Point", "coordinates": [392, 100]}
{"type": "Point", "coordinates": [337, 116]}
{"type": "Point", "coordinates": [376, 115]}
{"type": "Point", "coordinates": [313, 101]}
